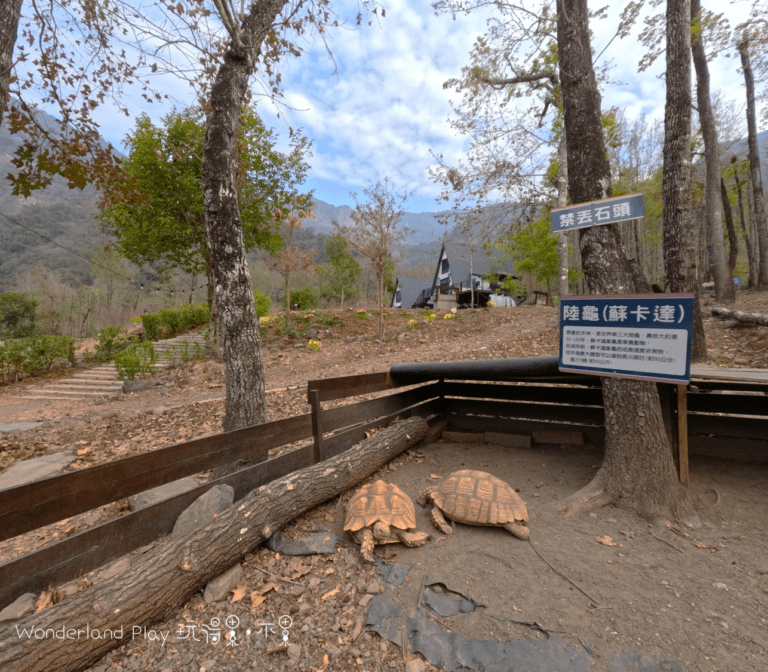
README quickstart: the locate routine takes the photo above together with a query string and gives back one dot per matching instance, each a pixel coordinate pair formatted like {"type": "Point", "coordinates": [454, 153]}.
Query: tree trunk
{"type": "Point", "coordinates": [733, 241]}
{"type": "Point", "coordinates": [752, 281]}
{"type": "Point", "coordinates": [758, 212]}
{"type": "Point", "coordinates": [678, 240]}
{"type": "Point", "coordinates": [724, 289]}
{"type": "Point", "coordinates": [175, 568]}
{"type": "Point", "coordinates": [381, 305]}
{"type": "Point", "coordinates": [637, 471]}
{"type": "Point", "coordinates": [244, 369]}
{"type": "Point", "coordinates": [562, 200]}
{"type": "Point", "coordinates": [10, 11]}
{"type": "Point", "coordinates": [741, 316]}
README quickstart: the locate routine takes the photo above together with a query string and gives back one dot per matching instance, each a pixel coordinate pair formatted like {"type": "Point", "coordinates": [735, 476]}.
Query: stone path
{"type": "Point", "coordinates": [102, 380]}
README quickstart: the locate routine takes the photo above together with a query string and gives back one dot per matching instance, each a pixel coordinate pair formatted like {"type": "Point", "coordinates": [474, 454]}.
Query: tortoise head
{"type": "Point", "coordinates": [381, 531]}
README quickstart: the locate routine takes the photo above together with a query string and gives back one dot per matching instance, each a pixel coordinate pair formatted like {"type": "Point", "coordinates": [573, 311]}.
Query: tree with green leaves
{"type": "Point", "coordinates": [156, 210]}
{"type": "Point", "coordinates": [534, 250]}
{"type": "Point", "coordinates": [340, 274]}
{"type": "Point", "coordinates": [17, 315]}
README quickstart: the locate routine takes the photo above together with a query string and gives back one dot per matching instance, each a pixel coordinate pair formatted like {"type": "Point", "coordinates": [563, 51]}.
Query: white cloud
{"type": "Point", "coordinates": [385, 110]}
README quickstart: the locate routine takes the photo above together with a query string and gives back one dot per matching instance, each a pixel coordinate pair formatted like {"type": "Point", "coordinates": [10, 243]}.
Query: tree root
{"type": "Point", "coordinates": [592, 496]}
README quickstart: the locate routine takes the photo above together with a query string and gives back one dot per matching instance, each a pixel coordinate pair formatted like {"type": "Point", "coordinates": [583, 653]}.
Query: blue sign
{"type": "Point", "coordinates": [593, 213]}
{"type": "Point", "coordinates": [644, 337]}
{"type": "Point", "coordinates": [737, 282]}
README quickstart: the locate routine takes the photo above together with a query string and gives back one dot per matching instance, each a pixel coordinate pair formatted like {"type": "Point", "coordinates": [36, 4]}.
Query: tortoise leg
{"type": "Point", "coordinates": [520, 531]}
{"type": "Point", "coordinates": [439, 520]}
{"type": "Point", "coordinates": [425, 496]}
{"type": "Point", "coordinates": [412, 539]}
{"type": "Point", "coordinates": [367, 544]}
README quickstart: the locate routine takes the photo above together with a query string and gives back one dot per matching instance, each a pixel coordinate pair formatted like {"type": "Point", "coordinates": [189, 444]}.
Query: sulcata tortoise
{"type": "Point", "coordinates": [381, 513]}
{"type": "Point", "coordinates": [477, 498]}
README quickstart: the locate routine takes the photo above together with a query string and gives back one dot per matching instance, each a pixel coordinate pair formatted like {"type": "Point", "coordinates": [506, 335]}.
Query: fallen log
{"type": "Point", "coordinates": [741, 316]}
{"type": "Point", "coordinates": [168, 575]}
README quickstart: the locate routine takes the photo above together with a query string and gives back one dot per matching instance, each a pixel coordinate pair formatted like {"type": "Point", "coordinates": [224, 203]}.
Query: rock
{"type": "Point", "coordinates": [27, 471]}
{"type": "Point", "coordinates": [155, 495]}
{"type": "Point", "coordinates": [117, 567]}
{"type": "Point", "coordinates": [204, 509]}
{"type": "Point", "coordinates": [216, 590]}
{"type": "Point", "coordinates": [139, 385]}
{"type": "Point", "coordinates": [294, 653]}
{"type": "Point", "coordinates": [415, 665]}
{"type": "Point", "coordinates": [21, 606]}
{"type": "Point", "coordinates": [207, 665]}
{"type": "Point", "coordinates": [70, 589]}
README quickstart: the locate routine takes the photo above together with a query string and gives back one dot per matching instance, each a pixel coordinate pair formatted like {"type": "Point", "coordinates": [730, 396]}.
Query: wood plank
{"type": "Point", "coordinates": [682, 434]}
{"type": "Point", "coordinates": [581, 396]}
{"type": "Point", "coordinates": [724, 425]}
{"type": "Point", "coordinates": [351, 414]}
{"type": "Point", "coordinates": [350, 386]}
{"type": "Point", "coordinates": [90, 549]}
{"type": "Point", "coordinates": [340, 442]}
{"type": "Point", "coordinates": [574, 414]}
{"type": "Point", "coordinates": [704, 372]}
{"type": "Point", "coordinates": [33, 505]}
{"type": "Point", "coordinates": [471, 423]}
{"type": "Point", "coordinates": [729, 448]}
{"type": "Point", "coordinates": [738, 404]}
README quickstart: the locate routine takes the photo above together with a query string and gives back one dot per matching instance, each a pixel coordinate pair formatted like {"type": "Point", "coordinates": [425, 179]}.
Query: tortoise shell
{"type": "Point", "coordinates": [380, 502]}
{"type": "Point", "coordinates": [478, 498]}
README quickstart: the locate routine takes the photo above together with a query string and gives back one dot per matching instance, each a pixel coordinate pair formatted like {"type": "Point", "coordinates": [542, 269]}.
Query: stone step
{"type": "Point", "coordinates": [90, 389]}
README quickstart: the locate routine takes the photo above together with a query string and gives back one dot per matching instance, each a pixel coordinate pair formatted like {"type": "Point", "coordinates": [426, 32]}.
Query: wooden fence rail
{"type": "Point", "coordinates": [34, 505]}
{"type": "Point", "coordinates": [534, 405]}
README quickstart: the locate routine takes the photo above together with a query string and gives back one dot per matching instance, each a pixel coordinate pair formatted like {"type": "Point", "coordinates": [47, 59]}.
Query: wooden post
{"type": "Point", "coordinates": [667, 400]}
{"type": "Point", "coordinates": [317, 428]}
{"type": "Point", "coordinates": [682, 432]}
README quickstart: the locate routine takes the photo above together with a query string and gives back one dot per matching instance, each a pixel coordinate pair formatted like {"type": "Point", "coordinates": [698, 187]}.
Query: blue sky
{"type": "Point", "coordinates": [385, 108]}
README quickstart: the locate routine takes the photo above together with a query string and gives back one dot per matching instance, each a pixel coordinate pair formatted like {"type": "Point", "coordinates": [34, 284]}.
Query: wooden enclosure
{"type": "Point", "coordinates": [733, 425]}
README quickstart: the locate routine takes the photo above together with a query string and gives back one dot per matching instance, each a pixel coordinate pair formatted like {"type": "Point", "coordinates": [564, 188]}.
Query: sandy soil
{"type": "Point", "coordinates": [605, 583]}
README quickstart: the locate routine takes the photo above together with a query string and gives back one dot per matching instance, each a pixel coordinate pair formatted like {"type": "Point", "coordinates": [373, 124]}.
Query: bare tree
{"type": "Point", "coordinates": [679, 261]}
{"type": "Point", "coordinates": [10, 12]}
{"type": "Point", "coordinates": [637, 470]}
{"type": "Point", "coordinates": [724, 289]}
{"type": "Point", "coordinates": [375, 232]}
{"type": "Point", "coordinates": [291, 258]}
{"type": "Point", "coordinates": [758, 213]}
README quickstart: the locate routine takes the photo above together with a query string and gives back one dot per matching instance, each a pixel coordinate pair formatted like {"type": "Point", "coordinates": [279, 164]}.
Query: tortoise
{"type": "Point", "coordinates": [477, 498]}
{"type": "Point", "coordinates": [381, 513]}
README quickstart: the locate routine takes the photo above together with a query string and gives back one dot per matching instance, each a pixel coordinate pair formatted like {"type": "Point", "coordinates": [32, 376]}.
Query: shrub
{"type": "Point", "coordinates": [17, 315]}
{"type": "Point", "coordinates": [109, 344]}
{"type": "Point", "coordinates": [34, 354]}
{"type": "Point", "coordinates": [306, 297]}
{"type": "Point", "coordinates": [136, 358]}
{"type": "Point", "coordinates": [262, 304]}
{"type": "Point", "coordinates": [172, 321]}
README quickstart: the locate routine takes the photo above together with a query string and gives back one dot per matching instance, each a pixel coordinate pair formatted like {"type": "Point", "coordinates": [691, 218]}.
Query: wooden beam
{"type": "Point", "coordinates": [682, 433]}
{"type": "Point", "coordinates": [350, 386]}
{"type": "Point", "coordinates": [579, 415]}
{"type": "Point", "coordinates": [33, 505]}
{"type": "Point", "coordinates": [580, 396]}
{"type": "Point", "coordinates": [352, 414]}
{"type": "Point", "coordinates": [317, 427]}
{"type": "Point", "coordinates": [79, 554]}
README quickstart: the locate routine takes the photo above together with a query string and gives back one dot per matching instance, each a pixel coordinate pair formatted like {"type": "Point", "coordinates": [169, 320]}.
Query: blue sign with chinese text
{"type": "Point", "coordinates": [593, 213]}
{"type": "Point", "coordinates": [644, 336]}
{"type": "Point", "coordinates": [737, 282]}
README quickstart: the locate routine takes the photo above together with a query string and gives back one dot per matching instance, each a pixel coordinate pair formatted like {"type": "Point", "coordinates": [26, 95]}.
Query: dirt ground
{"type": "Point", "coordinates": [596, 586]}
